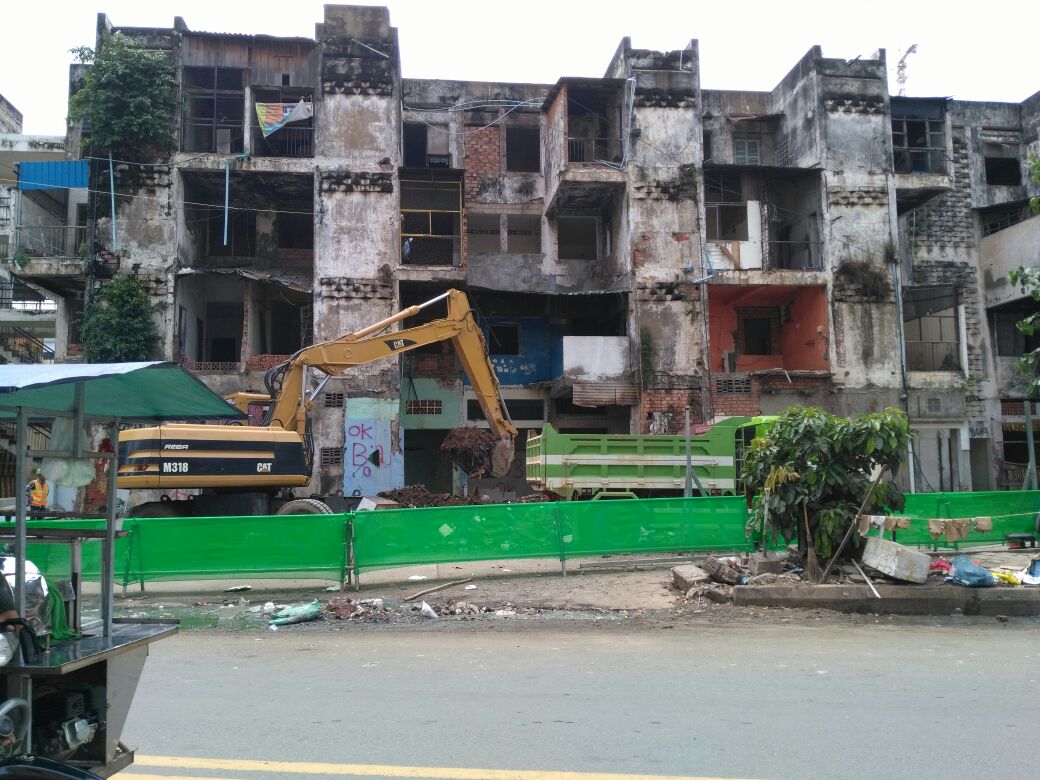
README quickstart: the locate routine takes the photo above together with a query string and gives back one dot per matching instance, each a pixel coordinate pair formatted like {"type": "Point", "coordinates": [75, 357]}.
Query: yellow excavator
{"type": "Point", "coordinates": [246, 470]}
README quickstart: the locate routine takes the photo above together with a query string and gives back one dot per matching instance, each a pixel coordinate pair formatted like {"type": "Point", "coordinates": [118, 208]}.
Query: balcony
{"type": "Point", "coordinates": [431, 218]}
{"type": "Point", "coordinates": [584, 146]}
{"type": "Point", "coordinates": [56, 257]}
{"type": "Point", "coordinates": [920, 151]}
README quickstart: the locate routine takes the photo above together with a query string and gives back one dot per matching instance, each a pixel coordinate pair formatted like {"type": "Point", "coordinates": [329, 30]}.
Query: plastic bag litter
{"type": "Point", "coordinates": [1007, 577]}
{"type": "Point", "coordinates": [427, 611]}
{"type": "Point", "coordinates": [1030, 575]}
{"type": "Point", "coordinates": [298, 613]}
{"type": "Point", "coordinates": [71, 472]}
{"type": "Point", "coordinates": [964, 571]}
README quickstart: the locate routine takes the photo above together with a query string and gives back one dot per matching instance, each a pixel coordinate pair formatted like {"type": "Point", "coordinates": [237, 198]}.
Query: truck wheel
{"type": "Point", "coordinates": [154, 509]}
{"type": "Point", "coordinates": [304, 506]}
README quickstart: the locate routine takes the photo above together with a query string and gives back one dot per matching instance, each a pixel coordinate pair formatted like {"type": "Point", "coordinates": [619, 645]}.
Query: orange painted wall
{"type": "Point", "coordinates": [805, 347]}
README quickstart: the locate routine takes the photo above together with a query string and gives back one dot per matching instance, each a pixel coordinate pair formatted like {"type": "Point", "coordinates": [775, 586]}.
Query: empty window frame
{"type": "Point", "coordinates": [758, 330]}
{"type": "Point", "coordinates": [504, 339]}
{"type": "Point", "coordinates": [747, 151]}
{"type": "Point", "coordinates": [1010, 341]}
{"type": "Point", "coordinates": [524, 234]}
{"type": "Point", "coordinates": [1003, 172]}
{"type": "Point", "coordinates": [1003, 217]}
{"type": "Point", "coordinates": [725, 207]}
{"type": "Point", "coordinates": [707, 145]}
{"type": "Point", "coordinates": [931, 329]}
{"type": "Point", "coordinates": [483, 233]}
{"type": "Point", "coordinates": [431, 215]}
{"type": "Point", "coordinates": [214, 110]}
{"type": "Point", "coordinates": [295, 231]}
{"type": "Point", "coordinates": [919, 145]}
{"type": "Point", "coordinates": [414, 143]}
{"type": "Point", "coordinates": [577, 238]}
{"type": "Point", "coordinates": [523, 150]}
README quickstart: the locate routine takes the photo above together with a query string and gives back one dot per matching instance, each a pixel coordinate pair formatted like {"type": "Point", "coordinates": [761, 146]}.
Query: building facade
{"type": "Point", "coordinates": [634, 245]}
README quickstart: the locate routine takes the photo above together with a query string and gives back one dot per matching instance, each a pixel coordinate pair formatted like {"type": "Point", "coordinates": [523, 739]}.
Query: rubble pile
{"type": "Point", "coordinates": [418, 496]}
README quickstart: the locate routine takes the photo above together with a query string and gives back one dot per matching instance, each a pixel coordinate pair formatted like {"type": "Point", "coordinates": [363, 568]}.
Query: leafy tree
{"type": "Point", "coordinates": [128, 98]}
{"type": "Point", "coordinates": [811, 462]}
{"type": "Point", "coordinates": [119, 324]}
{"type": "Point", "coordinates": [1028, 280]}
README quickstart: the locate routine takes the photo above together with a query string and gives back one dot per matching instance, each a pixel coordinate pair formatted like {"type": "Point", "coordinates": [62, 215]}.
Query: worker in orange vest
{"type": "Point", "coordinates": [37, 491]}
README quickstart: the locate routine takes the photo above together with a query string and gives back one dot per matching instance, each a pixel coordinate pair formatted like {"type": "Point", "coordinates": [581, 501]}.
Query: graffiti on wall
{"type": "Point", "coordinates": [373, 451]}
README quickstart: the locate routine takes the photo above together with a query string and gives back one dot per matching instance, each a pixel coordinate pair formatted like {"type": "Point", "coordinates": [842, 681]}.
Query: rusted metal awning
{"type": "Point", "coordinates": [605, 394]}
{"type": "Point", "coordinates": [300, 281]}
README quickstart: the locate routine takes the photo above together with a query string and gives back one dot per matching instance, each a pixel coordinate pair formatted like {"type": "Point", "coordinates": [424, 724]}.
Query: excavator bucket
{"type": "Point", "coordinates": [502, 457]}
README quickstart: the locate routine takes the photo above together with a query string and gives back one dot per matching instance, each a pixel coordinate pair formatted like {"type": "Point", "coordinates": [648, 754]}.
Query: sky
{"type": "Point", "coordinates": [964, 54]}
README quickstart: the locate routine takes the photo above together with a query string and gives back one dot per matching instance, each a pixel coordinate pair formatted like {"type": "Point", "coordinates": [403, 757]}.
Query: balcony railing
{"type": "Point", "coordinates": [933, 356]}
{"type": "Point", "coordinates": [429, 250]}
{"type": "Point", "coordinates": [593, 150]}
{"type": "Point", "coordinates": [21, 297]}
{"type": "Point", "coordinates": [795, 255]}
{"type": "Point", "coordinates": [288, 141]}
{"type": "Point", "coordinates": [1013, 475]}
{"type": "Point", "coordinates": [23, 346]}
{"type": "Point", "coordinates": [53, 241]}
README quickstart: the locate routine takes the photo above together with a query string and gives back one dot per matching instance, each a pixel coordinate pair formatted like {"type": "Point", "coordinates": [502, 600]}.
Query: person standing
{"type": "Point", "coordinates": [37, 492]}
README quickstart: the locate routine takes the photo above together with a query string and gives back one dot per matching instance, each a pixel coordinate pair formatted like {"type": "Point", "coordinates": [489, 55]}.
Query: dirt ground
{"type": "Point", "coordinates": [530, 592]}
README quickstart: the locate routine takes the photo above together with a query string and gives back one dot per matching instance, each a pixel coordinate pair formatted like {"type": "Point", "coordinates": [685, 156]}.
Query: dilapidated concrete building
{"type": "Point", "coordinates": [635, 245]}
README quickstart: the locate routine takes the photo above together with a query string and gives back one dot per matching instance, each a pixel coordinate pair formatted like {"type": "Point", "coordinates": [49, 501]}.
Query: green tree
{"type": "Point", "coordinates": [119, 324]}
{"type": "Point", "coordinates": [1028, 280]}
{"type": "Point", "coordinates": [811, 462]}
{"type": "Point", "coordinates": [128, 98]}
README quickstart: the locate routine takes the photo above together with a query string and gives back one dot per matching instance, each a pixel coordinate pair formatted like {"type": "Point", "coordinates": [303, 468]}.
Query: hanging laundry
{"type": "Point", "coordinates": [954, 529]}
{"type": "Point", "coordinates": [274, 116]}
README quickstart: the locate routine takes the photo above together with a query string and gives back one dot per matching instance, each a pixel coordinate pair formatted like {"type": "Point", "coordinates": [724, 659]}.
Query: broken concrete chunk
{"type": "Point", "coordinates": [895, 560]}
{"type": "Point", "coordinates": [688, 576]}
{"type": "Point", "coordinates": [767, 563]}
{"type": "Point", "coordinates": [720, 571]}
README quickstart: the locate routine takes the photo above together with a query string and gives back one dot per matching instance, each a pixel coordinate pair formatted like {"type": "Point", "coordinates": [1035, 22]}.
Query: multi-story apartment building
{"type": "Point", "coordinates": [634, 244]}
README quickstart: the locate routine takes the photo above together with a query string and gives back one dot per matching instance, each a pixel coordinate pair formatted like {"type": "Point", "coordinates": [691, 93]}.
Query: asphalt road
{"type": "Point", "coordinates": [532, 701]}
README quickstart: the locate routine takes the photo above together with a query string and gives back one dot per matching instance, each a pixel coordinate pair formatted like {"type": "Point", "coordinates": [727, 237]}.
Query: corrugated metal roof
{"type": "Point", "coordinates": [605, 394]}
{"type": "Point", "coordinates": [63, 175]}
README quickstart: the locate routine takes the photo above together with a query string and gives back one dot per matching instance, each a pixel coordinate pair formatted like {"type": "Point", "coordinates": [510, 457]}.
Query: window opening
{"type": "Point", "coordinates": [747, 151]}
{"type": "Point", "coordinates": [707, 146]}
{"type": "Point", "coordinates": [577, 238]}
{"type": "Point", "coordinates": [919, 145]}
{"type": "Point", "coordinates": [214, 101]}
{"type": "Point", "coordinates": [998, 219]}
{"type": "Point", "coordinates": [757, 336]}
{"type": "Point", "coordinates": [1003, 172]}
{"type": "Point", "coordinates": [335, 400]}
{"type": "Point", "coordinates": [293, 139]}
{"type": "Point", "coordinates": [424, 406]}
{"type": "Point", "coordinates": [1010, 341]}
{"type": "Point", "coordinates": [524, 235]}
{"type": "Point", "coordinates": [483, 233]}
{"type": "Point", "coordinates": [725, 207]}
{"type": "Point", "coordinates": [415, 145]}
{"type": "Point", "coordinates": [295, 231]}
{"type": "Point", "coordinates": [523, 150]}
{"type": "Point", "coordinates": [504, 339]}
{"type": "Point", "coordinates": [930, 327]}
{"type": "Point", "coordinates": [331, 456]}
{"type": "Point", "coordinates": [241, 233]}
{"type": "Point", "coordinates": [431, 217]}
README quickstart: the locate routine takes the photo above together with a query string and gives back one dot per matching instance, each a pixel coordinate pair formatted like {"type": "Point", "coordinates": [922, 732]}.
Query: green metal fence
{"type": "Point", "coordinates": [1012, 512]}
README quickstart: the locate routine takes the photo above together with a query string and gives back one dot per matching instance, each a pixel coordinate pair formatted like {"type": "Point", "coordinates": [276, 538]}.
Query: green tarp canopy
{"type": "Point", "coordinates": [131, 392]}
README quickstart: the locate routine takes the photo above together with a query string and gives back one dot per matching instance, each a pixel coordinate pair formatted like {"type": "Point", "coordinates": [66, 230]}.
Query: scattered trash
{"type": "Point", "coordinates": [470, 587]}
{"type": "Point", "coordinates": [505, 613]}
{"type": "Point", "coordinates": [256, 609]}
{"type": "Point", "coordinates": [273, 627]}
{"type": "Point", "coordinates": [332, 589]}
{"type": "Point", "coordinates": [461, 608]}
{"type": "Point", "coordinates": [268, 607]}
{"type": "Point", "coordinates": [940, 566]}
{"type": "Point", "coordinates": [1030, 575]}
{"type": "Point", "coordinates": [417, 577]}
{"type": "Point", "coordinates": [427, 611]}
{"type": "Point", "coordinates": [228, 612]}
{"type": "Point", "coordinates": [965, 571]}
{"type": "Point", "coordinates": [237, 588]}
{"type": "Point", "coordinates": [1005, 576]}
{"type": "Point", "coordinates": [301, 613]}
{"type": "Point", "coordinates": [713, 591]}
{"type": "Point", "coordinates": [371, 603]}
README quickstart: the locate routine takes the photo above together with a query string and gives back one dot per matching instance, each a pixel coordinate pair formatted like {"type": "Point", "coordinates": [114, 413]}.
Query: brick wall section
{"type": "Point", "coordinates": [663, 410]}
{"type": "Point", "coordinates": [434, 366]}
{"type": "Point", "coordinates": [750, 404]}
{"type": "Point", "coordinates": [949, 220]}
{"type": "Point", "coordinates": [482, 156]}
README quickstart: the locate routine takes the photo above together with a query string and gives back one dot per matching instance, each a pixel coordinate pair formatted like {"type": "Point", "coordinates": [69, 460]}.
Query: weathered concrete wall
{"type": "Point", "coordinates": [1002, 252]}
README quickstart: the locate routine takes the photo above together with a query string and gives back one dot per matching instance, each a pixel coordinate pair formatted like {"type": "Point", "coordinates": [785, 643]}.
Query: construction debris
{"type": "Point", "coordinates": [418, 497]}
{"type": "Point", "coordinates": [769, 578]}
{"type": "Point", "coordinates": [688, 576]}
{"type": "Point", "coordinates": [895, 560]}
{"type": "Point", "coordinates": [722, 571]}
{"type": "Point", "coordinates": [436, 588]}
{"type": "Point", "coordinates": [469, 448]}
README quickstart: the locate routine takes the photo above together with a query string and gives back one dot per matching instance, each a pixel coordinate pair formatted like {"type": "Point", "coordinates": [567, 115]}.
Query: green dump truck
{"type": "Point", "coordinates": [587, 465]}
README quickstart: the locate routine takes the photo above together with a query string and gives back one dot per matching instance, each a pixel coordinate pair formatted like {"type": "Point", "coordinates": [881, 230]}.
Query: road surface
{"type": "Point", "coordinates": [535, 701]}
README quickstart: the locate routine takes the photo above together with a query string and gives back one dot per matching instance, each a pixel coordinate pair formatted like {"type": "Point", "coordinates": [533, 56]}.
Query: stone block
{"type": "Point", "coordinates": [895, 560]}
{"type": "Point", "coordinates": [766, 563]}
{"type": "Point", "coordinates": [688, 576]}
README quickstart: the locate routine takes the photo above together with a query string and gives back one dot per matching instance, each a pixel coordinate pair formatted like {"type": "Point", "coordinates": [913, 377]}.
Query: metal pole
{"type": "Point", "coordinates": [227, 191]}
{"type": "Point", "coordinates": [108, 561]}
{"type": "Point", "coordinates": [559, 533]}
{"type": "Point", "coordinates": [688, 487]}
{"type": "Point", "coordinates": [1029, 483]}
{"type": "Point", "coordinates": [112, 195]}
{"type": "Point", "coordinates": [20, 470]}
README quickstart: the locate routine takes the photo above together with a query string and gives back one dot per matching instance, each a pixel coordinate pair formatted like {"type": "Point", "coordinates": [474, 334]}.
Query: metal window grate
{"type": "Point", "coordinates": [424, 407]}
{"type": "Point", "coordinates": [734, 385]}
{"type": "Point", "coordinates": [331, 456]}
{"type": "Point", "coordinates": [335, 400]}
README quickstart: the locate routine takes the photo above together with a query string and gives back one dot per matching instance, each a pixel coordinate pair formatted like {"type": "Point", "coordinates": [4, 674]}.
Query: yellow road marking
{"type": "Point", "coordinates": [375, 770]}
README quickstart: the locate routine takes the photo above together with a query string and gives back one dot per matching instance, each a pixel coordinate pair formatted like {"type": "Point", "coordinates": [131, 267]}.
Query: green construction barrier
{"type": "Point", "coordinates": [654, 525]}
{"type": "Point", "coordinates": [406, 537]}
{"type": "Point", "coordinates": [54, 560]}
{"type": "Point", "coordinates": [409, 537]}
{"type": "Point", "coordinates": [1012, 511]}
{"type": "Point", "coordinates": [179, 548]}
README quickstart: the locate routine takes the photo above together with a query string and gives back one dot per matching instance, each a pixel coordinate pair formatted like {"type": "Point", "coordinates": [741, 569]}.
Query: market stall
{"type": "Point", "coordinates": [70, 701]}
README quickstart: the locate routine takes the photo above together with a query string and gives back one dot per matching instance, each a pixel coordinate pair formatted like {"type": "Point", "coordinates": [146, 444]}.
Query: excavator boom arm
{"type": "Point", "coordinates": [375, 343]}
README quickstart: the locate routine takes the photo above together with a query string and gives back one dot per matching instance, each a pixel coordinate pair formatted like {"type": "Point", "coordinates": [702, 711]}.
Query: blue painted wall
{"type": "Point", "coordinates": [535, 361]}
{"type": "Point", "coordinates": [372, 425]}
